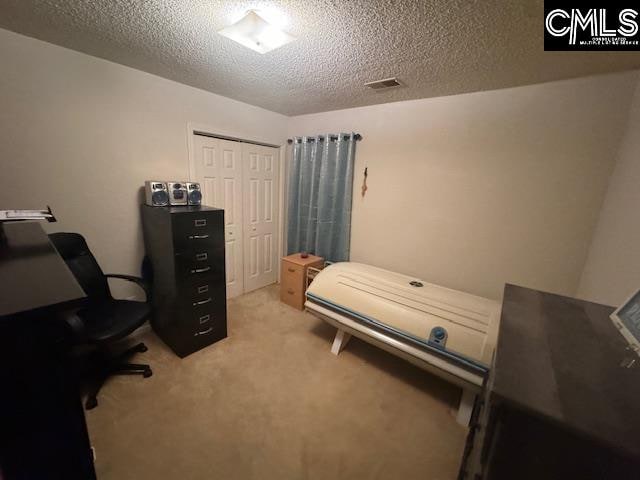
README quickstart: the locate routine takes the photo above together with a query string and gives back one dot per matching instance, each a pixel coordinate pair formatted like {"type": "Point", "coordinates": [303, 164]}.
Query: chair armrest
{"type": "Point", "coordinates": [132, 278]}
{"type": "Point", "coordinates": [77, 327]}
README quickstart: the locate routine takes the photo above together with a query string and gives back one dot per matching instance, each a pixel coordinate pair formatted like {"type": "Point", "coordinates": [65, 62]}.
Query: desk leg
{"type": "Point", "coordinates": [467, 401]}
{"type": "Point", "coordinates": [341, 340]}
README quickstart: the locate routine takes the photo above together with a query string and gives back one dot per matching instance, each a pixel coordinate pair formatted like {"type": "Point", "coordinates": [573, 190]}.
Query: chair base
{"type": "Point", "coordinates": [116, 366]}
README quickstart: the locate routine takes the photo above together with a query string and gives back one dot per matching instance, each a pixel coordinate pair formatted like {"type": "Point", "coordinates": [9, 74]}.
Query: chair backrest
{"type": "Point", "coordinates": [73, 248]}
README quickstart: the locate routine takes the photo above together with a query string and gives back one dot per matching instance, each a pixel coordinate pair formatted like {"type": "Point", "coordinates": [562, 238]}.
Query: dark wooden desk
{"type": "Point", "coordinates": [43, 433]}
{"type": "Point", "coordinates": [558, 403]}
{"type": "Point", "coordinates": [32, 274]}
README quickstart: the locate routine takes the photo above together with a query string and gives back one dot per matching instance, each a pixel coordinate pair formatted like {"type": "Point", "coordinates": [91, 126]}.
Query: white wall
{"type": "Point", "coordinates": [82, 134]}
{"type": "Point", "coordinates": [472, 191]}
{"type": "Point", "coordinates": [469, 191]}
{"type": "Point", "coordinates": [612, 270]}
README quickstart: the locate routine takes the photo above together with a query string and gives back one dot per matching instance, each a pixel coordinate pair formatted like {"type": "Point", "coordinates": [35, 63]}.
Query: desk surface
{"type": "Point", "coordinates": [559, 358]}
{"type": "Point", "coordinates": [33, 276]}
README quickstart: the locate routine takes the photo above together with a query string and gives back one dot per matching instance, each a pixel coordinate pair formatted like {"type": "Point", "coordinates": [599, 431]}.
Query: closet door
{"type": "Point", "coordinates": [219, 172]}
{"type": "Point", "coordinates": [260, 187]}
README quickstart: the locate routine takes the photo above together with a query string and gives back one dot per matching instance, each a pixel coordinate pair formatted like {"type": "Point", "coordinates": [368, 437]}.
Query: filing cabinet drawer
{"type": "Point", "coordinates": [206, 336]}
{"type": "Point", "coordinates": [203, 318]}
{"type": "Point", "coordinates": [190, 272]}
{"type": "Point", "coordinates": [200, 321]}
{"type": "Point", "coordinates": [204, 303]}
{"type": "Point", "coordinates": [201, 304]}
{"type": "Point", "coordinates": [193, 335]}
{"type": "Point", "coordinates": [195, 222]}
{"type": "Point", "coordinates": [202, 295]}
{"type": "Point", "coordinates": [194, 242]}
{"type": "Point", "coordinates": [200, 327]}
{"type": "Point", "coordinates": [193, 231]}
{"type": "Point", "coordinates": [198, 257]}
{"type": "Point", "coordinates": [198, 292]}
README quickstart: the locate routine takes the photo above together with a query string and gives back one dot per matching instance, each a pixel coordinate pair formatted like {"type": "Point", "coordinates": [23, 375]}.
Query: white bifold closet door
{"type": "Point", "coordinates": [218, 169]}
{"type": "Point", "coordinates": [260, 191]}
{"type": "Point", "coordinates": [242, 179]}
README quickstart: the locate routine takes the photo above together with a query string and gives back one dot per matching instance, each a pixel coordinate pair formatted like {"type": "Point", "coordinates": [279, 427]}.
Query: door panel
{"type": "Point", "coordinates": [268, 200]}
{"type": "Point", "coordinates": [253, 200]}
{"type": "Point", "coordinates": [219, 171]}
{"type": "Point", "coordinates": [253, 256]}
{"type": "Point", "coordinates": [268, 253]}
{"type": "Point", "coordinates": [261, 215]}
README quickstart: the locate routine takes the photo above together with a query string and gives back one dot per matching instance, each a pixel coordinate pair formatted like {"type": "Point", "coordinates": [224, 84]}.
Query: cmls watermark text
{"type": "Point", "coordinates": [607, 28]}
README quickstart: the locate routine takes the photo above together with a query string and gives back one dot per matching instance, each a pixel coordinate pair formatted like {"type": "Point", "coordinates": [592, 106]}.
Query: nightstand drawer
{"type": "Point", "coordinates": [292, 272]}
{"type": "Point", "coordinates": [292, 295]}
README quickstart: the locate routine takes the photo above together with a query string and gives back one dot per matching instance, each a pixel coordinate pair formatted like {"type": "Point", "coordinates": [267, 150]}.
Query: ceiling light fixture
{"type": "Point", "coordinates": [256, 33]}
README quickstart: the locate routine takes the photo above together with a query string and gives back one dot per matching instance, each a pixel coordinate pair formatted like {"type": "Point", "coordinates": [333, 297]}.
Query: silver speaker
{"type": "Point", "coordinates": [177, 193]}
{"type": "Point", "coordinates": [194, 195]}
{"type": "Point", "coordinates": [156, 193]}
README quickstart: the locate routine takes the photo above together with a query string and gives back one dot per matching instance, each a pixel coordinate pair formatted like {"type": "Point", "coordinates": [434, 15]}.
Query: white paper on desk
{"type": "Point", "coordinates": [25, 215]}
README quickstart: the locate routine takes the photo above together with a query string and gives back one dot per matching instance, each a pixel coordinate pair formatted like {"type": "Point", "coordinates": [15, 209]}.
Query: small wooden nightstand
{"type": "Point", "coordinates": [293, 278]}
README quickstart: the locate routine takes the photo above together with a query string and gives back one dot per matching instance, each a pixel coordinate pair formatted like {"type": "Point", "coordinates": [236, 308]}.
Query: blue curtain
{"type": "Point", "coordinates": [320, 193]}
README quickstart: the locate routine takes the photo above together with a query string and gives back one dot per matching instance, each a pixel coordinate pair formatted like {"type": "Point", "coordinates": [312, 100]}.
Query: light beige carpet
{"type": "Point", "coordinates": [272, 402]}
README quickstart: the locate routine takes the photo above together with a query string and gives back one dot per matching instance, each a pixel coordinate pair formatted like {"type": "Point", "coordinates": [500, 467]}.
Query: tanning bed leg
{"type": "Point", "coordinates": [340, 341]}
{"type": "Point", "coordinates": [467, 400]}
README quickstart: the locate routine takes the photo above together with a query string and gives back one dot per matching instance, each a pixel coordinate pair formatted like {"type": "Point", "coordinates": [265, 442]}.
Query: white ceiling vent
{"type": "Point", "coordinates": [383, 84]}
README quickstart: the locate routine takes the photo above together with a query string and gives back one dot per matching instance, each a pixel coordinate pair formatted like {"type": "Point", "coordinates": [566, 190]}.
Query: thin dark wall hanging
{"type": "Point", "coordinates": [364, 182]}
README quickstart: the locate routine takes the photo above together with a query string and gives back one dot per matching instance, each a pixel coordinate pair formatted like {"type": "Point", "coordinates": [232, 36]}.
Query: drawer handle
{"type": "Point", "coordinates": [200, 222]}
{"type": "Point", "coordinates": [201, 270]}
{"type": "Point", "coordinates": [203, 332]}
{"type": "Point", "coordinates": [203, 289]}
{"type": "Point", "coordinates": [198, 237]}
{"type": "Point", "coordinates": [202, 302]}
{"type": "Point", "coordinates": [290, 292]}
{"type": "Point", "coordinates": [201, 257]}
{"type": "Point", "coordinates": [204, 319]}
{"type": "Point", "coordinates": [292, 270]}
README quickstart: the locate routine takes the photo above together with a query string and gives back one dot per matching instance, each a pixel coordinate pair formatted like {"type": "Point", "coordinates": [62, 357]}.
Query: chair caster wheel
{"type": "Point", "coordinates": [91, 403]}
{"type": "Point", "coordinates": [142, 348]}
{"type": "Point", "coordinates": [147, 373]}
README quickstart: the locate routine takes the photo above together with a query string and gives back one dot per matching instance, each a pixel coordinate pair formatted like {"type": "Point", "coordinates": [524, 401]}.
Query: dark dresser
{"type": "Point", "coordinates": [185, 246]}
{"type": "Point", "coordinates": [560, 401]}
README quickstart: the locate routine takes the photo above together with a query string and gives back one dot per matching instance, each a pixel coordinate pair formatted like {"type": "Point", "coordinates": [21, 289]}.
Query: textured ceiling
{"type": "Point", "coordinates": [435, 47]}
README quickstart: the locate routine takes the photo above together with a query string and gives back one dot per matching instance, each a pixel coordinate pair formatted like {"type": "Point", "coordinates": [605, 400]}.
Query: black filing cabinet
{"type": "Point", "coordinates": [185, 246]}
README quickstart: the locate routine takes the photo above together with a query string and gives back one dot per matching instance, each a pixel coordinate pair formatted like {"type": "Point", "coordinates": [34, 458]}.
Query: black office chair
{"type": "Point", "coordinates": [104, 320]}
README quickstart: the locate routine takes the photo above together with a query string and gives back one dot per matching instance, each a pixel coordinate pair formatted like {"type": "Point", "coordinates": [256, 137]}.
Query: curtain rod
{"type": "Point", "coordinates": [357, 136]}
{"type": "Point", "coordinates": [233, 139]}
